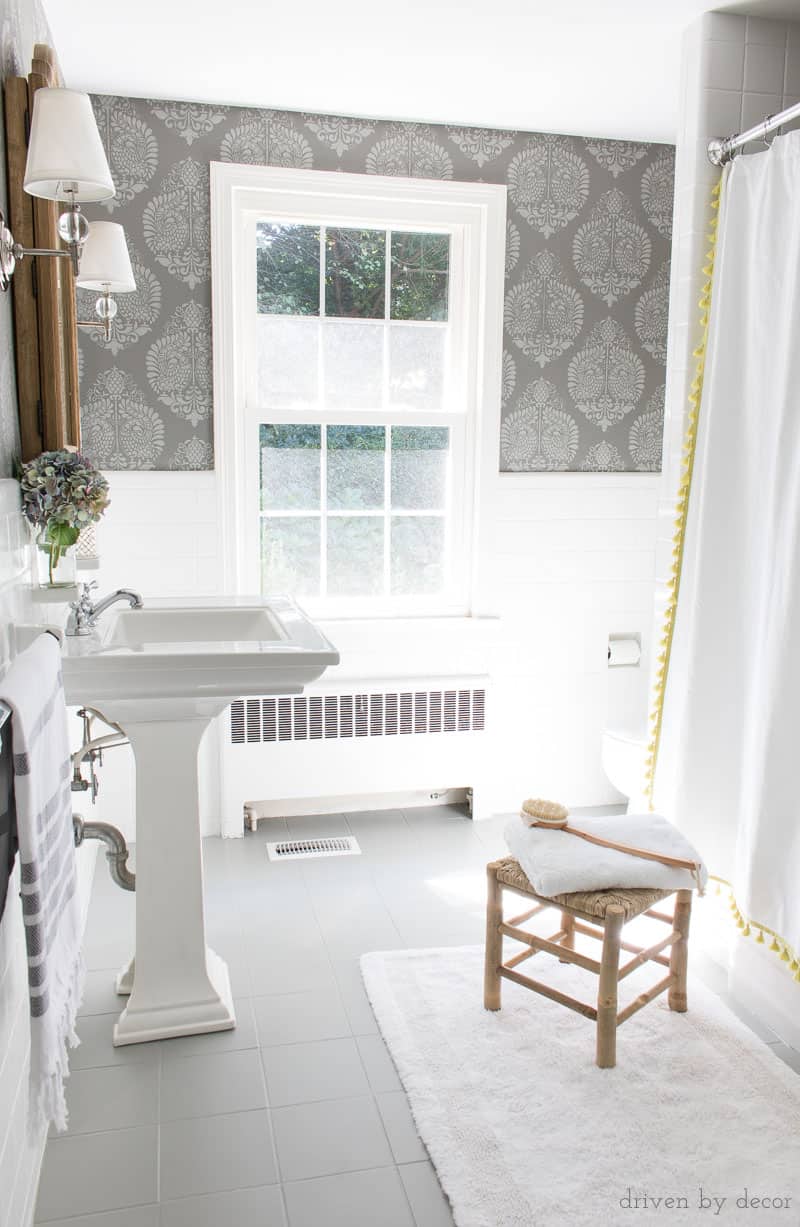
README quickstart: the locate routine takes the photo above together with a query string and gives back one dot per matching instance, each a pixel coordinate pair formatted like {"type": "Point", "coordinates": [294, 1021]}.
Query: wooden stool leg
{"type": "Point", "coordinates": [607, 992]}
{"type": "Point", "coordinates": [494, 941]}
{"type": "Point", "coordinates": [568, 940]}
{"type": "Point", "coordinates": [679, 955]}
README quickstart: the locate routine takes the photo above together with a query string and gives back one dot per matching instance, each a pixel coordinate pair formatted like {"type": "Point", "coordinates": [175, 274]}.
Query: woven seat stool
{"type": "Point", "coordinates": [600, 914]}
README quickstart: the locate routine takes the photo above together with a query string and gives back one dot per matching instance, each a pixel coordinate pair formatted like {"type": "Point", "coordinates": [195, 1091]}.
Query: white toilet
{"type": "Point", "coordinates": [623, 755]}
{"type": "Point", "coordinates": [625, 737]}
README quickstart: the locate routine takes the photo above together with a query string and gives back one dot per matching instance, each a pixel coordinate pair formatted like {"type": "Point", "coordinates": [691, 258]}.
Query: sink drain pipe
{"type": "Point", "coordinates": [116, 848]}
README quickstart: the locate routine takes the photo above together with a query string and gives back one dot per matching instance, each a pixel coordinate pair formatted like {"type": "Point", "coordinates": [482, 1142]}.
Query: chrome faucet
{"type": "Point", "coordinates": [84, 614]}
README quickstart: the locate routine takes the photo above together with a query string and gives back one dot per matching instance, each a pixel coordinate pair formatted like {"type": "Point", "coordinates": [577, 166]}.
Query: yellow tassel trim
{"type": "Point", "coordinates": [656, 714]}
{"type": "Point", "coordinates": [682, 509]}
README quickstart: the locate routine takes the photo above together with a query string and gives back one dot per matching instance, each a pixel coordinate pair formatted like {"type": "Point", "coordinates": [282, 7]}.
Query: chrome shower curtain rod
{"type": "Point", "coordinates": [721, 151]}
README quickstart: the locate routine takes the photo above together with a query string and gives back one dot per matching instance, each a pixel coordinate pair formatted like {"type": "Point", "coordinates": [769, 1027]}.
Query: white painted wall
{"type": "Point", "coordinates": [571, 558]}
{"type": "Point", "coordinates": [736, 71]}
{"type": "Point", "coordinates": [19, 1157]}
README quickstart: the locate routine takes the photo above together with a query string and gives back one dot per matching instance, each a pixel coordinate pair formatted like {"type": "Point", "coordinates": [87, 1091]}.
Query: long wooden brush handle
{"type": "Point", "coordinates": [674, 861]}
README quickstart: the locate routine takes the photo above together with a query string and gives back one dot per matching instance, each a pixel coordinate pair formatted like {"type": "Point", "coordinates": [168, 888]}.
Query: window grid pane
{"type": "Point", "coordinates": [413, 361]}
{"type": "Point", "coordinates": [402, 549]}
{"type": "Point", "coordinates": [331, 506]}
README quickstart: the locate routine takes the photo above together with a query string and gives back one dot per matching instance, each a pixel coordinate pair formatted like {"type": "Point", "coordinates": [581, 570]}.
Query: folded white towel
{"type": "Point", "coordinates": [33, 690]}
{"type": "Point", "coordinates": [557, 863]}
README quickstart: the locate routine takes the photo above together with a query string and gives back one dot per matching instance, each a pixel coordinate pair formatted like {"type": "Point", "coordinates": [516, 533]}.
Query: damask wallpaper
{"type": "Point", "coordinates": [22, 24]}
{"type": "Point", "coordinates": [587, 277]}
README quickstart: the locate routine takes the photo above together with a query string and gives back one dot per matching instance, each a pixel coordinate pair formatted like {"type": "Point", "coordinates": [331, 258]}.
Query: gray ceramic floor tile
{"type": "Point", "coordinates": [357, 1199]}
{"type": "Point", "coordinates": [112, 1097]}
{"type": "Point", "coordinates": [321, 1139]}
{"type": "Point", "coordinates": [97, 1049]}
{"type": "Point", "coordinates": [297, 1018]}
{"type": "Point", "coordinates": [241, 1208]}
{"type": "Point", "coordinates": [303, 1073]}
{"type": "Point", "coordinates": [137, 1216]}
{"type": "Point", "coordinates": [354, 996]}
{"type": "Point", "coordinates": [98, 1171]}
{"type": "Point", "coordinates": [378, 1064]}
{"type": "Point", "coordinates": [758, 1028]}
{"type": "Point", "coordinates": [428, 1203]}
{"type": "Point", "coordinates": [286, 968]}
{"type": "Point", "coordinates": [209, 1085]}
{"type": "Point", "coordinates": [316, 826]}
{"type": "Point", "coordinates": [99, 994]}
{"type": "Point", "coordinates": [215, 1153]}
{"type": "Point", "coordinates": [242, 1036]}
{"type": "Point", "coordinates": [790, 1056]}
{"type": "Point", "coordinates": [400, 1128]}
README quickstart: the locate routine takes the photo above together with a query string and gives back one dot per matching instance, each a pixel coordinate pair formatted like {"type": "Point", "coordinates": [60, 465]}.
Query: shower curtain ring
{"type": "Point", "coordinates": [768, 138]}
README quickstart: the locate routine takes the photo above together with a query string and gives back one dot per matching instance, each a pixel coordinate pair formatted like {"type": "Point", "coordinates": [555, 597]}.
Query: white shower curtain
{"type": "Point", "coordinates": [728, 770]}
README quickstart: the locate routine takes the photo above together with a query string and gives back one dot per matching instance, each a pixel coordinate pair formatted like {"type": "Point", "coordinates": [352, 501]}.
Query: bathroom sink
{"type": "Point", "coordinates": [163, 673]}
{"type": "Point", "coordinates": [166, 630]}
{"type": "Point", "coordinates": [217, 648]}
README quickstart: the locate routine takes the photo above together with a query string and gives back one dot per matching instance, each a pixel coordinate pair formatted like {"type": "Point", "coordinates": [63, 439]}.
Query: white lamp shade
{"type": "Point", "coordinates": [105, 263]}
{"type": "Point", "coordinates": [66, 159]}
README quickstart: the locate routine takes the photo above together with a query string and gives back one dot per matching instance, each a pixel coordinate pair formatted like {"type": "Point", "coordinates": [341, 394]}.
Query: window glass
{"type": "Point", "coordinates": [416, 367]}
{"type": "Point", "coordinates": [355, 273]}
{"type": "Point", "coordinates": [356, 464]}
{"type": "Point", "coordinates": [419, 467]}
{"type": "Point", "coordinates": [417, 555]}
{"type": "Point", "coordinates": [290, 468]}
{"type": "Point", "coordinates": [286, 361]}
{"type": "Point", "coordinates": [287, 269]}
{"type": "Point", "coordinates": [290, 555]}
{"type": "Point", "coordinates": [353, 358]}
{"type": "Point", "coordinates": [420, 273]}
{"type": "Point", "coordinates": [355, 556]}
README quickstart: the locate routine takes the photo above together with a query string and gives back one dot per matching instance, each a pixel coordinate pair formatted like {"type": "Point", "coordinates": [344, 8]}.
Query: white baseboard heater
{"type": "Point", "coordinates": [359, 747]}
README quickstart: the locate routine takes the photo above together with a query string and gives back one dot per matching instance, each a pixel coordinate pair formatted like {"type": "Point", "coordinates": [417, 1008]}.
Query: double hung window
{"type": "Point", "coordinates": [346, 395]}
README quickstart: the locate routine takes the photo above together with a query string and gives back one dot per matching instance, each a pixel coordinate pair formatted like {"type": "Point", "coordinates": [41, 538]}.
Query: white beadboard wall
{"type": "Point", "coordinates": [736, 71]}
{"type": "Point", "coordinates": [573, 559]}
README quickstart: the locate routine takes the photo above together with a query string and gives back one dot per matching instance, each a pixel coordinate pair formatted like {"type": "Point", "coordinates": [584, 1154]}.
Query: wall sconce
{"type": "Point", "coordinates": [105, 266]}
{"type": "Point", "coordinates": [66, 162]}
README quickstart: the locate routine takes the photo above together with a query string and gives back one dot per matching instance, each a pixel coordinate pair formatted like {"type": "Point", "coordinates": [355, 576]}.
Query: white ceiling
{"type": "Point", "coordinates": [592, 67]}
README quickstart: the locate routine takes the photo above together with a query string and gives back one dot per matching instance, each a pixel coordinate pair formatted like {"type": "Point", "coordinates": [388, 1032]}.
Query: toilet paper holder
{"type": "Point", "coordinates": [624, 650]}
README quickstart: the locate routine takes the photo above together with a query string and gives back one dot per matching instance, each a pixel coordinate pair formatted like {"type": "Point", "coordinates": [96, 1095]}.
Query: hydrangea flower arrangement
{"type": "Point", "coordinates": [61, 493]}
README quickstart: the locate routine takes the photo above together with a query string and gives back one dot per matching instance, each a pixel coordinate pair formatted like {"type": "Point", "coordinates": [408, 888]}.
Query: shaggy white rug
{"type": "Point", "coordinates": [525, 1131]}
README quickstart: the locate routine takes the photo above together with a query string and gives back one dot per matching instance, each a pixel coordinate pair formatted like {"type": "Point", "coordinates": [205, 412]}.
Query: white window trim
{"type": "Point", "coordinates": [479, 209]}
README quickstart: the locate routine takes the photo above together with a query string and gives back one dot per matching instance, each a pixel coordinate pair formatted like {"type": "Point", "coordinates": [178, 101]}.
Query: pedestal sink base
{"type": "Point", "coordinates": [163, 675]}
{"type": "Point", "coordinates": [216, 1013]}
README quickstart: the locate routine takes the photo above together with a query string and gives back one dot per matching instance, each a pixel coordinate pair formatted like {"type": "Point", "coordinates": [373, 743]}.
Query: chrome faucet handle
{"type": "Point", "coordinates": [85, 588]}
{"type": "Point", "coordinates": [80, 616]}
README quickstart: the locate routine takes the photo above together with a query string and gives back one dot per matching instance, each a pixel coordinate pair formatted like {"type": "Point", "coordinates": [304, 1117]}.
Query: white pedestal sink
{"type": "Point", "coordinates": [163, 673]}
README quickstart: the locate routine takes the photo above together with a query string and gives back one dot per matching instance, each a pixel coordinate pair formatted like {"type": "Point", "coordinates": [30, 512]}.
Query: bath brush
{"type": "Point", "coordinates": [551, 814]}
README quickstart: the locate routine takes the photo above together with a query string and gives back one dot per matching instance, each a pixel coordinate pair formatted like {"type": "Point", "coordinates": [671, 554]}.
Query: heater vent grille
{"type": "Point", "coordinates": [388, 714]}
{"type": "Point", "coordinates": [297, 849]}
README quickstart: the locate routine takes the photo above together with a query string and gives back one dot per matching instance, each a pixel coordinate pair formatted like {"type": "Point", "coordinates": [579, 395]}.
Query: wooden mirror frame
{"type": "Point", "coordinates": [43, 287]}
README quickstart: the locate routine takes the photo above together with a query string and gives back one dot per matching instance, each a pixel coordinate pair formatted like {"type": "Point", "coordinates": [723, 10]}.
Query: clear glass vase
{"type": "Point", "coordinates": [54, 567]}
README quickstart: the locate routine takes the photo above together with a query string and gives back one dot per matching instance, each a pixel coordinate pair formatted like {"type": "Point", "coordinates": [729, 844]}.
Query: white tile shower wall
{"type": "Point", "coordinates": [19, 1158]}
{"type": "Point", "coordinates": [736, 71]}
{"type": "Point", "coordinates": [572, 560]}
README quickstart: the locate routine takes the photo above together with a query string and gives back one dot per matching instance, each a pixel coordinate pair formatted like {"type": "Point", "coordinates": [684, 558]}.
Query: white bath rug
{"type": "Point", "coordinates": [525, 1131]}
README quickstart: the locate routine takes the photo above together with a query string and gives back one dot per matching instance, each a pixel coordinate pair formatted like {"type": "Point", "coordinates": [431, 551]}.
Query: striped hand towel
{"type": "Point", "coordinates": [34, 691]}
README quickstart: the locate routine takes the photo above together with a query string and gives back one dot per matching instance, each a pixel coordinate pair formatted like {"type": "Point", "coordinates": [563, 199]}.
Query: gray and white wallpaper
{"type": "Point", "coordinates": [587, 277]}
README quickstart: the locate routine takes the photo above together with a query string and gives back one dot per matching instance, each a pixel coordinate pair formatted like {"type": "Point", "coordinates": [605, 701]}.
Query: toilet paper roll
{"type": "Point", "coordinates": [623, 652]}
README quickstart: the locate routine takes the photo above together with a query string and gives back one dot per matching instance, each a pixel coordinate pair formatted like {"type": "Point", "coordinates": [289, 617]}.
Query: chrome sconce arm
{"type": "Point", "coordinates": [11, 252]}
